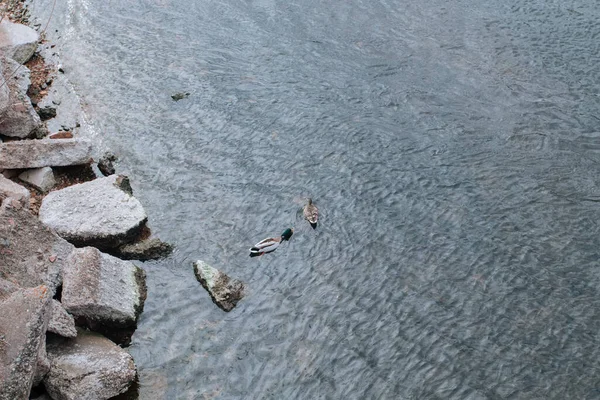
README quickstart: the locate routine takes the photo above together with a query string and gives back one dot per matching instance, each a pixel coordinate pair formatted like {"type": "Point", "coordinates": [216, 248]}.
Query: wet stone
{"type": "Point", "coordinates": [223, 290]}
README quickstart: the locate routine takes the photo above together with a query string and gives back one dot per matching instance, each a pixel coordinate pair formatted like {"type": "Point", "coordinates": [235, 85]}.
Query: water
{"type": "Point", "coordinates": [452, 148]}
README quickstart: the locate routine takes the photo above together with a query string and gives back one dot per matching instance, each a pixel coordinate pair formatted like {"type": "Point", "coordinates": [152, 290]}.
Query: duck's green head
{"type": "Point", "coordinates": [287, 234]}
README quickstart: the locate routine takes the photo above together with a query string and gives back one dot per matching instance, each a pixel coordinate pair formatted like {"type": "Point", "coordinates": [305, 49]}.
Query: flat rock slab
{"type": "Point", "coordinates": [224, 291]}
{"type": "Point", "coordinates": [30, 253]}
{"type": "Point", "coordinates": [61, 322]}
{"type": "Point", "coordinates": [103, 289]}
{"type": "Point", "coordinates": [100, 213]}
{"type": "Point", "coordinates": [89, 367]}
{"type": "Point", "coordinates": [19, 119]}
{"type": "Point", "coordinates": [18, 41]}
{"type": "Point", "coordinates": [21, 154]}
{"type": "Point", "coordinates": [24, 317]}
{"type": "Point", "coordinates": [13, 190]}
{"type": "Point", "coordinates": [40, 178]}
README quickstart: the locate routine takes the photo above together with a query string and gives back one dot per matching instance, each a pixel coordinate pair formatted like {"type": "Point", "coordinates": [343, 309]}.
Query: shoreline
{"type": "Point", "coordinates": [68, 226]}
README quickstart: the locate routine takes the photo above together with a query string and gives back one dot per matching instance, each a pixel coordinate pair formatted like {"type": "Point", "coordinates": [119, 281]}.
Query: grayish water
{"type": "Point", "coordinates": [452, 148]}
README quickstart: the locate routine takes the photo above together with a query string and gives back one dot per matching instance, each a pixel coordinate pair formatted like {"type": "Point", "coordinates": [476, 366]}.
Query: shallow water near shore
{"type": "Point", "coordinates": [453, 152]}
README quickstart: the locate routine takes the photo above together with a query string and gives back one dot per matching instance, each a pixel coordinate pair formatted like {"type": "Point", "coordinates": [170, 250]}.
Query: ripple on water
{"type": "Point", "coordinates": [451, 149]}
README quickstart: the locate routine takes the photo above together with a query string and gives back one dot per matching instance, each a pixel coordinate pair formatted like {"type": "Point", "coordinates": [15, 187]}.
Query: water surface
{"type": "Point", "coordinates": [452, 148]}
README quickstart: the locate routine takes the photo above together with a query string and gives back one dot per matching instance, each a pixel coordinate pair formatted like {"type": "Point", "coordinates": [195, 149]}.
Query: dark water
{"type": "Point", "coordinates": [453, 150]}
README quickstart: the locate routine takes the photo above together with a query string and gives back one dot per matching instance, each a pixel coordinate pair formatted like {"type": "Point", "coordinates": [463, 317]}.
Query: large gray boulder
{"type": "Point", "coordinates": [61, 322]}
{"type": "Point", "coordinates": [30, 253]}
{"type": "Point", "coordinates": [24, 317]}
{"type": "Point", "coordinates": [18, 41]}
{"type": "Point", "coordinates": [21, 154]}
{"type": "Point", "coordinates": [13, 190]}
{"type": "Point", "coordinates": [223, 290]}
{"type": "Point", "coordinates": [89, 367]}
{"type": "Point", "coordinates": [19, 119]}
{"type": "Point", "coordinates": [100, 213]}
{"type": "Point", "coordinates": [103, 289]}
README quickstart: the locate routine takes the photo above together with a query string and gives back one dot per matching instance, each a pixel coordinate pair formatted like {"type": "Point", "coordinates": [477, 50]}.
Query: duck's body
{"type": "Point", "coordinates": [311, 213]}
{"type": "Point", "coordinates": [269, 245]}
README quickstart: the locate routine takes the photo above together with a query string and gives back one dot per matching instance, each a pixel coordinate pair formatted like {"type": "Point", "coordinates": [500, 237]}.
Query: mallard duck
{"type": "Point", "coordinates": [311, 213]}
{"type": "Point", "coordinates": [269, 245]}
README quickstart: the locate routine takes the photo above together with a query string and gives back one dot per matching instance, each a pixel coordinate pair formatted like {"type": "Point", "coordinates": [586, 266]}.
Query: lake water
{"type": "Point", "coordinates": [452, 148]}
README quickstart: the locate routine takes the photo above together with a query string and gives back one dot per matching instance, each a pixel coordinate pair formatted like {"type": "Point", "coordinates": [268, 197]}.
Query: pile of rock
{"type": "Point", "coordinates": [36, 265]}
{"type": "Point", "coordinates": [57, 280]}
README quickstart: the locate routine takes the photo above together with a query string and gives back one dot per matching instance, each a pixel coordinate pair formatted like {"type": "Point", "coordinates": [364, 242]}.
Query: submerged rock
{"type": "Point", "coordinates": [30, 253]}
{"type": "Point", "coordinates": [179, 96]}
{"type": "Point", "coordinates": [13, 190]}
{"type": "Point", "coordinates": [89, 367]}
{"type": "Point", "coordinates": [19, 119]}
{"type": "Point", "coordinates": [103, 289]}
{"type": "Point", "coordinates": [40, 178]}
{"type": "Point", "coordinates": [100, 213]}
{"type": "Point", "coordinates": [61, 322]}
{"type": "Point", "coordinates": [44, 153]}
{"type": "Point", "coordinates": [18, 41]}
{"type": "Point", "coordinates": [148, 249]}
{"type": "Point", "coordinates": [224, 291]}
{"type": "Point", "coordinates": [24, 317]}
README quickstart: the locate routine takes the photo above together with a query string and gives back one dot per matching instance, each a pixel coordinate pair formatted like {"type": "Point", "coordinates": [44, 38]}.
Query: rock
{"type": "Point", "coordinates": [100, 213]}
{"type": "Point", "coordinates": [46, 113]}
{"type": "Point", "coordinates": [19, 119]}
{"type": "Point", "coordinates": [13, 190]}
{"type": "Point", "coordinates": [40, 178]}
{"type": "Point", "coordinates": [61, 135]}
{"type": "Point", "coordinates": [105, 164]}
{"type": "Point", "coordinates": [61, 322]}
{"type": "Point", "coordinates": [24, 317]}
{"type": "Point", "coordinates": [44, 153]}
{"type": "Point", "coordinates": [224, 291]}
{"type": "Point", "coordinates": [30, 253]}
{"type": "Point", "coordinates": [89, 367]}
{"type": "Point", "coordinates": [148, 249]}
{"type": "Point", "coordinates": [179, 96]}
{"type": "Point", "coordinates": [103, 289]}
{"type": "Point", "coordinates": [18, 41]}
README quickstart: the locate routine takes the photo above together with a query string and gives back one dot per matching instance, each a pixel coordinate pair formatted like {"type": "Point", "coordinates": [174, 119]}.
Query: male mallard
{"type": "Point", "coordinates": [270, 244]}
{"type": "Point", "coordinates": [311, 213]}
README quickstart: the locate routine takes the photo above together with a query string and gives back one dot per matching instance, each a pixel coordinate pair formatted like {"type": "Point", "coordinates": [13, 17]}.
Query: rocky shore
{"type": "Point", "coordinates": [70, 297]}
